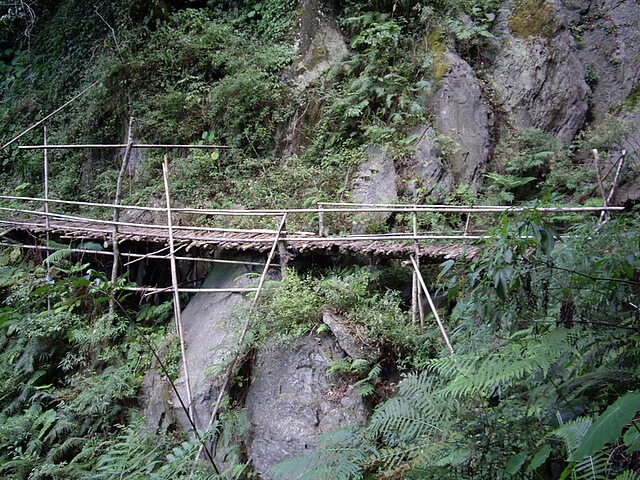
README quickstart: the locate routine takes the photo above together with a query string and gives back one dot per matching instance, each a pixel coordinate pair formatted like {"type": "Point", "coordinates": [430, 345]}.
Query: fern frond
{"type": "Point", "coordinates": [593, 468]}
{"type": "Point", "coordinates": [572, 433]}
{"type": "Point", "coordinates": [418, 412]}
{"type": "Point", "coordinates": [484, 374]}
{"type": "Point", "coordinates": [340, 456]}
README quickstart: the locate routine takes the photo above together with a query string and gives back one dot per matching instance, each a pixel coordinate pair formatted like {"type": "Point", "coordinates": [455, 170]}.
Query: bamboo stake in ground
{"type": "Point", "coordinates": [431, 304]}
{"type": "Point", "coordinates": [177, 313]}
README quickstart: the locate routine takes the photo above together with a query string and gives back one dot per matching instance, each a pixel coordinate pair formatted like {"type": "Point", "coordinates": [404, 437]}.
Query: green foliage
{"type": "Point", "coordinates": [69, 369]}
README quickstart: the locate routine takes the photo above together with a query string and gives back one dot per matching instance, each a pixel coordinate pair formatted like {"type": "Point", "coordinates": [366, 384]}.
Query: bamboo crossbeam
{"type": "Point", "coordinates": [189, 290]}
{"type": "Point", "coordinates": [116, 145]}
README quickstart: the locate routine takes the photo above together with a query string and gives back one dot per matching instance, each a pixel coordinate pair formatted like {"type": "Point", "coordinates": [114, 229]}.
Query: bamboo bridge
{"type": "Point", "coordinates": [413, 234]}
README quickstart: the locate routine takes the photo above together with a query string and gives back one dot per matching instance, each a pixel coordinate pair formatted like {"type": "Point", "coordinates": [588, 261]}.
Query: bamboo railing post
{"type": "Point", "coordinates": [418, 297]}
{"type": "Point", "coordinates": [282, 250]}
{"type": "Point", "coordinates": [414, 298]}
{"type": "Point", "coordinates": [46, 206]}
{"type": "Point", "coordinates": [177, 311]}
{"type": "Point", "coordinates": [431, 304]}
{"type": "Point", "coordinates": [320, 221]}
{"type": "Point", "coordinates": [115, 267]}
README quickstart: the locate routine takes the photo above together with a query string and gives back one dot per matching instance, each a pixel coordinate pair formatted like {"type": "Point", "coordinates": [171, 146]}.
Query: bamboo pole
{"type": "Point", "coordinates": [292, 211]}
{"type": "Point", "coordinates": [604, 215]}
{"type": "Point", "coordinates": [46, 206]}
{"type": "Point", "coordinates": [40, 122]}
{"type": "Point", "coordinates": [596, 160]}
{"type": "Point", "coordinates": [115, 266]}
{"type": "Point", "coordinates": [431, 304]}
{"type": "Point", "coordinates": [115, 145]}
{"type": "Point", "coordinates": [177, 313]}
{"type": "Point", "coordinates": [414, 298]}
{"type": "Point", "coordinates": [189, 290]}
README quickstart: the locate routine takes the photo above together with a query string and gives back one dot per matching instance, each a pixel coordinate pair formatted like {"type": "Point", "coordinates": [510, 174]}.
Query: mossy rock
{"type": "Point", "coordinates": [533, 18]}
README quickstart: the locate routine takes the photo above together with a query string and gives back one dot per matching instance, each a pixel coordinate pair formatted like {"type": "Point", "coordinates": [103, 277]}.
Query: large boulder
{"type": "Point", "coordinates": [375, 182]}
{"type": "Point", "coordinates": [211, 330]}
{"type": "Point", "coordinates": [292, 400]}
{"type": "Point", "coordinates": [427, 175]}
{"type": "Point", "coordinates": [319, 44]}
{"type": "Point", "coordinates": [320, 47]}
{"type": "Point", "coordinates": [609, 36]}
{"type": "Point", "coordinates": [537, 76]}
{"type": "Point", "coordinates": [463, 117]}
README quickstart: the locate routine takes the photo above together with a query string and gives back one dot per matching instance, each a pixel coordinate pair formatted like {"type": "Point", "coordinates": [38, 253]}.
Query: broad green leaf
{"type": "Point", "coordinates": [608, 426]}
{"type": "Point", "coordinates": [539, 458]}
{"type": "Point", "coordinates": [514, 464]}
{"type": "Point", "coordinates": [632, 440]}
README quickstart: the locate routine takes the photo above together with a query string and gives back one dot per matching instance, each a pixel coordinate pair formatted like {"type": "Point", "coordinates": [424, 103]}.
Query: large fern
{"type": "Point", "coordinates": [341, 455]}
{"type": "Point", "coordinates": [488, 373]}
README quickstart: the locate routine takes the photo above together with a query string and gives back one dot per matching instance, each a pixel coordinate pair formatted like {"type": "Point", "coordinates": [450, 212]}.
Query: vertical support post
{"type": "Point", "coordinates": [282, 250]}
{"type": "Point", "coordinates": [46, 204]}
{"type": "Point", "coordinates": [116, 218]}
{"type": "Point", "coordinates": [414, 298]}
{"type": "Point", "coordinates": [177, 311]}
{"type": "Point", "coordinates": [431, 304]}
{"type": "Point", "coordinates": [414, 218]}
{"type": "Point", "coordinates": [320, 221]}
{"type": "Point", "coordinates": [46, 182]}
{"type": "Point", "coordinates": [418, 297]}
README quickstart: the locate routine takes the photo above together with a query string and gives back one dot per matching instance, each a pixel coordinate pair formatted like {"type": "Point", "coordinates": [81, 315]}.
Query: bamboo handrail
{"type": "Point", "coordinates": [366, 208]}
{"type": "Point", "coordinates": [116, 145]}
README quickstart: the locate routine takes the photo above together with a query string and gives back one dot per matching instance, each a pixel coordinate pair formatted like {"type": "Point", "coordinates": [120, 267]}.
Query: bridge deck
{"type": "Point", "coordinates": [432, 247]}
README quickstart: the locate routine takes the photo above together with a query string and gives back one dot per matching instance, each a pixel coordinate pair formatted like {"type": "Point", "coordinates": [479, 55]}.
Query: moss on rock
{"type": "Point", "coordinates": [532, 18]}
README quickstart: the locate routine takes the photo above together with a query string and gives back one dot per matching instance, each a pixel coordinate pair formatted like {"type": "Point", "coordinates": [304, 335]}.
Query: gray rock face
{"type": "Point", "coordinates": [461, 115]}
{"type": "Point", "coordinates": [211, 330]}
{"type": "Point", "coordinates": [375, 183]}
{"type": "Point", "coordinates": [320, 44]}
{"type": "Point", "coordinates": [541, 84]}
{"type": "Point", "coordinates": [629, 188]}
{"type": "Point", "coordinates": [376, 179]}
{"type": "Point", "coordinates": [291, 400]}
{"type": "Point", "coordinates": [427, 170]}
{"type": "Point", "coordinates": [610, 36]}
{"type": "Point", "coordinates": [349, 338]}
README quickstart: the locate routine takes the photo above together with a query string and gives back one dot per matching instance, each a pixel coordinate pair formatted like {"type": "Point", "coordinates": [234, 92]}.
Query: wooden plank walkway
{"type": "Point", "coordinates": [432, 247]}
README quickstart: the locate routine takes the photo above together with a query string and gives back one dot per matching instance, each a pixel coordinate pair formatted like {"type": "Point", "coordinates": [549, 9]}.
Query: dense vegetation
{"type": "Point", "coordinates": [543, 383]}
